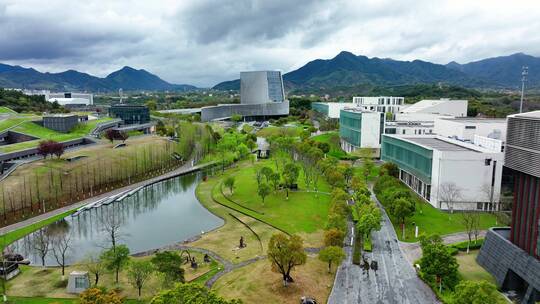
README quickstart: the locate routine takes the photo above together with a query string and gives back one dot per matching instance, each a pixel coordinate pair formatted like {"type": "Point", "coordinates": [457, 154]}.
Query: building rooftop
{"type": "Point", "coordinates": [426, 103]}
{"type": "Point", "coordinates": [476, 120]}
{"type": "Point", "coordinates": [533, 115]}
{"type": "Point", "coordinates": [438, 144]}
{"type": "Point", "coordinates": [59, 115]}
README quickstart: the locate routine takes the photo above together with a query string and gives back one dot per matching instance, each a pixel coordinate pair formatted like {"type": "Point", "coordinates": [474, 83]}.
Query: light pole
{"type": "Point", "coordinates": [524, 73]}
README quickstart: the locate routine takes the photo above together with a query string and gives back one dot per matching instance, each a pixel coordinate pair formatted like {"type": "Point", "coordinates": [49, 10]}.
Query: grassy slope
{"type": "Point", "coordinates": [31, 128]}
{"type": "Point", "coordinates": [335, 150]}
{"type": "Point", "coordinates": [7, 110]}
{"type": "Point", "coordinates": [275, 131]}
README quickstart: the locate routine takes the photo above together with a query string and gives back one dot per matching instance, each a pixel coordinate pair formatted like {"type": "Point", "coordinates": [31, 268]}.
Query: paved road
{"type": "Point", "coordinates": [394, 281]}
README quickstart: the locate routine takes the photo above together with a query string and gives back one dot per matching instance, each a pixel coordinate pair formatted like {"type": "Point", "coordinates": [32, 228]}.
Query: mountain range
{"type": "Point", "coordinates": [126, 78]}
{"type": "Point", "coordinates": [348, 70]}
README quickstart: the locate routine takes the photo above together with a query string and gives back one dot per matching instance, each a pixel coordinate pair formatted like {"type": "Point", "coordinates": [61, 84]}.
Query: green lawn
{"type": "Point", "coordinates": [469, 268]}
{"type": "Point", "coordinates": [10, 122]}
{"type": "Point", "coordinates": [280, 131]}
{"type": "Point", "coordinates": [302, 212]}
{"type": "Point", "coordinates": [431, 220]}
{"type": "Point", "coordinates": [335, 149]}
{"type": "Point", "coordinates": [30, 128]}
{"type": "Point", "coordinates": [7, 110]}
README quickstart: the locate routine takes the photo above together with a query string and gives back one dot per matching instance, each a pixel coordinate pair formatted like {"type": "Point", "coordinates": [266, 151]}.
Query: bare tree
{"type": "Point", "coordinates": [41, 243]}
{"type": "Point", "coordinates": [112, 224]}
{"type": "Point", "coordinates": [95, 266]}
{"type": "Point", "coordinates": [61, 245]}
{"type": "Point", "coordinates": [476, 226]}
{"type": "Point", "coordinates": [449, 193]}
{"type": "Point", "coordinates": [468, 219]}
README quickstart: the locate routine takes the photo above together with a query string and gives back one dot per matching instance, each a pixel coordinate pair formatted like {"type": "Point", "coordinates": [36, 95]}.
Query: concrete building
{"type": "Point", "coordinates": [360, 129]}
{"type": "Point", "coordinates": [330, 109]}
{"type": "Point", "coordinates": [435, 167]}
{"type": "Point", "coordinates": [61, 122]}
{"type": "Point", "coordinates": [70, 98]}
{"type": "Point", "coordinates": [130, 114]}
{"type": "Point", "coordinates": [512, 255]}
{"type": "Point", "coordinates": [262, 96]}
{"type": "Point", "coordinates": [383, 104]}
{"type": "Point", "coordinates": [465, 129]}
{"type": "Point", "coordinates": [443, 106]}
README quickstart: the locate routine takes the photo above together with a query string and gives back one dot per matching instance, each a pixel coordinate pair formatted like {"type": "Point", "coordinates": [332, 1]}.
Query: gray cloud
{"type": "Point", "coordinates": [203, 42]}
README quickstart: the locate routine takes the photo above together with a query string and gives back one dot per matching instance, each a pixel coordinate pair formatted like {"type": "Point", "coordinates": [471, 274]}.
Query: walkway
{"type": "Point", "coordinates": [413, 252]}
{"type": "Point", "coordinates": [393, 281]}
{"type": "Point", "coordinates": [186, 168]}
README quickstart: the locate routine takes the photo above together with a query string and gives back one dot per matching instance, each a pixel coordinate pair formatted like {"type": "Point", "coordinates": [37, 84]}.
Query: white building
{"type": "Point", "coordinates": [443, 106]}
{"type": "Point", "coordinates": [447, 173]}
{"type": "Point", "coordinates": [465, 129]}
{"type": "Point", "coordinates": [360, 128]}
{"type": "Point", "coordinates": [69, 98]}
{"type": "Point", "coordinates": [380, 103]}
{"type": "Point", "coordinates": [330, 109]}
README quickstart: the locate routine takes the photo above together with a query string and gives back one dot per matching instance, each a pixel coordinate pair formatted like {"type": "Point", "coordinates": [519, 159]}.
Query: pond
{"type": "Point", "coordinates": [155, 216]}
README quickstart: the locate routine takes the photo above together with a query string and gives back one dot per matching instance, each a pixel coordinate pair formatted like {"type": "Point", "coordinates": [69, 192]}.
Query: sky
{"type": "Point", "coordinates": [204, 42]}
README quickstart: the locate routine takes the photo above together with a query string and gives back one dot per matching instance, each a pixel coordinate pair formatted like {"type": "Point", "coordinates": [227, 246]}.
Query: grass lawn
{"type": "Point", "coordinates": [11, 121]}
{"type": "Point", "coordinates": [7, 110]}
{"type": "Point", "coordinates": [469, 268]}
{"type": "Point", "coordinates": [256, 283]}
{"type": "Point", "coordinates": [280, 131]}
{"type": "Point", "coordinates": [335, 149]}
{"type": "Point", "coordinates": [45, 282]}
{"type": "Point", "coordinates": [431, 220]}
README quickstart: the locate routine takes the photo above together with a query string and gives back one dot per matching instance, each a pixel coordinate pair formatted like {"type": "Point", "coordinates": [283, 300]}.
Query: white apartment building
{"type": "Point", "coordinates": [380, 103]}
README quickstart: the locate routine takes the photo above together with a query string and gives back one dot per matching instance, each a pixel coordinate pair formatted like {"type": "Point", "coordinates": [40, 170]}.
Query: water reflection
{"type": "Point", "coordinates": [158, 215]}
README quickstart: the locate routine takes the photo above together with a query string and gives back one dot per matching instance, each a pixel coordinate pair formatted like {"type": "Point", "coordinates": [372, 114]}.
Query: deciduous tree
{"type": "Point", "coordinates": [138, 273]}
{"type": "Point", "coordinates": [263, 191]}
{"type": "Point", "coordinates": [116, 259]}
{"type": "Point", "coordinates": [229, 183]}
{"type": "Point", "coordinates": [285, 253]}
{"type": "Point", "coordinates": [437, 262]}
{"type": "Point", "coordinates": [475, 292]}
{"type": "Point", "coordinates": [330, 255]}
{"type": "Point", "coordinates": [169, 263]}
{"type": "Point", "coordinates": [333, 237]}
{"type": "Point", "coordinates": [401, 209]}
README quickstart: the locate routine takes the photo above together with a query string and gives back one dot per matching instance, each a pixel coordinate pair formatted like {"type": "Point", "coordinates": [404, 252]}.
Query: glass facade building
{"type": "Point", "coordinates": [130, 114]}
{"type": "Point", "coordinates": [275, 86]}
{"type": "Point", "coordinates": [350, 127]}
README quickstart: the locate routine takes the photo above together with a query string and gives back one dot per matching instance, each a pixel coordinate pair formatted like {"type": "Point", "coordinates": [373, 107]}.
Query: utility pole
{"type": "Point", "coordinates": [524, 73]}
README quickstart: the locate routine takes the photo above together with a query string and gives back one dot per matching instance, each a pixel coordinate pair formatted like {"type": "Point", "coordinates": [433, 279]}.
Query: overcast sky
{"type": "Point", "coordinates": [203, 42]}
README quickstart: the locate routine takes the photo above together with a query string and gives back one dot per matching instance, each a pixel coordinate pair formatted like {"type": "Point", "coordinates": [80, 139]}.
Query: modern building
{"type": "Point", "coordinates": [70, 98]}
{"type": "Point", "coordinates": [447, 173]}
{"type": "Point", "coordinates": [130, 114]}
{"type": "Point", "coordinates": [406, 127]}
{"type": "Point", "coordinates": [61, 122]}
{"type": "Point", "coordinates": [381, 103]}
{"type": "Point", "coordinates": [512, 255]}
{"type": "Point", "coordinates": [465, 129]}
{"type": "Point", "coordinates": [330, 109]}
{"type": "Point", "coordinates": [360, 129]}
{"type": "Point", "coordinates": [443, 106]}
{"type": "Point", "coordinates": [262, 96]}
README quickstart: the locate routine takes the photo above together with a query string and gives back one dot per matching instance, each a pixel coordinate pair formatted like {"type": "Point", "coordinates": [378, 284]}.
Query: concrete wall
{"type": "Point", "coordinates": [465, 130]}
{"type": "Point", "coordinates": [251, 110]}
{"type": "Point", "coordinates": [254, 87]}
{"type": "Point", "coordinates": [371, 131]}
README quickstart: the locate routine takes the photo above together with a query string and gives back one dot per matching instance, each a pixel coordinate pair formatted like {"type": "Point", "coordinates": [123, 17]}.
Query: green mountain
{"type": "Point", "coordinates": [126, 78]}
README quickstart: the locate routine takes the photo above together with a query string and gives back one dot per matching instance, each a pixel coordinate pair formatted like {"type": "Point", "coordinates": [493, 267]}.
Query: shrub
{"type": "Point", "coordinates": [60, 284]}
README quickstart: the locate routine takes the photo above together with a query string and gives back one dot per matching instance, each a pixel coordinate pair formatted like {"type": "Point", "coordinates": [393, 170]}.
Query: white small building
{"type": "Point", "coordinates": [443, 106]}
{"type": "Point", "coordinates": [466, 129]}
{"type": "Point", "coordinates": [383, 104]}
{"type": "Point", "coordinates": [360, 128]}
{"type": "Point", "coordinates": [69, 98]}
{"type": "Point", "coordinates": [448, 173]}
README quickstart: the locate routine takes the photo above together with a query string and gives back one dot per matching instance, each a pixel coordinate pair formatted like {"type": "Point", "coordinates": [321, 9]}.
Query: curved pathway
{"type": "Point", "coordinates": [393, 281]}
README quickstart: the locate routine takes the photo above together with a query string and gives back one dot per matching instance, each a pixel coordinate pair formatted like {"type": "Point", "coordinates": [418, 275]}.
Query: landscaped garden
{"type": "Point", "coordinates": [332, 138]}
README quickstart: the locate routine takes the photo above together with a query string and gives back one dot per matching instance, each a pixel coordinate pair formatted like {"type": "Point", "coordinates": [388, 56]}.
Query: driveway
{"type": "Point", "coordinates": [393, 281]}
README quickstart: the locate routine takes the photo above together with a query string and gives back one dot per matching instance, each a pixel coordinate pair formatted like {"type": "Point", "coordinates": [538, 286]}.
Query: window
{"type": "Point", "coordinates": [470, 127]}
{"type": "Point", "coordinates": [80, 283]}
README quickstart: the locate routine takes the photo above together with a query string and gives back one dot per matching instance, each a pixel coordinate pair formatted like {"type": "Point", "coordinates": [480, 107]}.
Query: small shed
{"type": "Point", "coordinates": [263, 148]}
{"type": "Point", "coordinates": [78, 282]}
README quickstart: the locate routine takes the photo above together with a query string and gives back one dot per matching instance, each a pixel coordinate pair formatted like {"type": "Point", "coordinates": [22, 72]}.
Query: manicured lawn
{"type": "Point", "coordinates": [7, 110]}
{"type": "Point", "coordinates": [469, 268]}
{"type": "Point", "coordinates": [34, 129]}
{"type": "Point", "coordinates": [10, 122]}
{"type": "Point", "coordinates": [434, 221]}
{"type": "Point", "coordinates": [302, 212]}
{"type": "Point", "coordinates": [256, 283]}
{"type": "Point", "coordinates": [330, 138]}
{"type": "Point", "coordinates": [280, 131]}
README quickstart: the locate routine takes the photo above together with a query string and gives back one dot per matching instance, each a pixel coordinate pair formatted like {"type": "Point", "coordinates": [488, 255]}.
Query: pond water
{"type": "Point", "coordinates": [155, 216]}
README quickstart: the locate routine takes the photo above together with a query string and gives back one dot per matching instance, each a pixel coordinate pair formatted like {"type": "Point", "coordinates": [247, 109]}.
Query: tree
{"type": "Point", "coordinates": [263, 191]}
{"type": "Point", "coordinates": [56, 148]}
{"type": "Point", "coordinates": [284, 253]}
{"type": "Point", "coordinates": [138, 273]}
{"type": "Point", "coordinates": [267, 173]}
{"type": "Point", "coordinates": [94, 265]}
{"type": "Point", "coordinates": [116, 259]}
{"type": "Point", "coordinates": [369, 220]}
{"type": "Point", "coordinates": [169, 263]}
{"type": "Point", "coordinates": [336, 221]}
{"type": "Point", "coordinates": [43, 148]}
{"type": "Point", "coordinates": [367, 162]}
{"type": "Point", "coordinates": [437, 262]}
{"type": "Point", "coordinates": [229, 183]}
{"type": "Point", "coordinates": [333, 237]}
{"type": "Point", "coordinates": [290, 176]}
{"type": "Point", "coordinates": [190, 293]}
{"type": "Point", "coordinates": [41, 242]}
{"type": "Point", "coordinates": [274, 180]}
{"type": "Point", "coordinates": [402, 208]}
{"type": "Point", "coordinates": [251, 144]}
{"type": "Point", "coordinates": [236, 118]}
{"type": "Point", "coordinates": [475, 292]}
{"type": "Point", "coordinates": [99, 296]}
{"type": "Point", "coordinates": [152, 105]}
{"type": "Point", "coordinates": [110, 134]}
{"type": "Point", "coordinates": [111, 224]}
{"type": "Point", "coordinates": [123, 136]}
{"type": "Point", "coordinates": [449, 193]}
{"type": "Point", "coordinates": [61, 244]}
{"type": "Point", "coordinates": [335, 178]}
{"type": "Point", "coordinates": [331, 254]}
{"type": "Point", "coordinates": [391, 169]}
{"type": "Point", "coordinates": [468, 219]}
